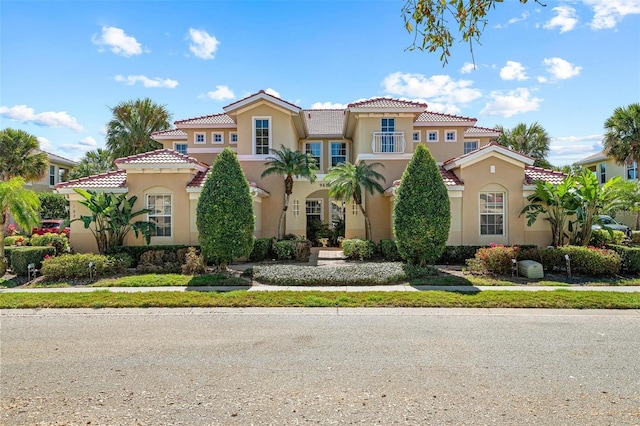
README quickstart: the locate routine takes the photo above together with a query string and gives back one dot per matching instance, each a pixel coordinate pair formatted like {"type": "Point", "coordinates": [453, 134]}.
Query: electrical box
{"type": "Point", "coordinates": [530, 269]}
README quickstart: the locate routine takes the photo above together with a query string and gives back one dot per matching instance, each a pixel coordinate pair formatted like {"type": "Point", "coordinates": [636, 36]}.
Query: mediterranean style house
{"type": "Point", "coordinates": [487, 183]}
{"type": "Point", "coordinates": [58, 171]}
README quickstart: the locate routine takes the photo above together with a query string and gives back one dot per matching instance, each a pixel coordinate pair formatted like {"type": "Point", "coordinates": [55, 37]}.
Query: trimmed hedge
{"type": "Point", "coordinates": [73, 266]}
{"type": "Point", "coordinates": [59, 241]}
{"type": "Point", "coordinates": [630, 258]}
{"type": "Point", "coordinates": [635, 237]}
{"type": "Point", "coordinates": [136, 251]}
{"type": "Point", "coordinates": [356, 248]}
{"type": "Point", "coordinates": [601, 238]}
{"type": "Point", "coordinates": [262, 249]}
{"type": "Point", "coordinates": [299, 250]}
{"type": "Point", "coordinates": [389, 250]}
{"type": "Point", "coordinates": [21, 257]}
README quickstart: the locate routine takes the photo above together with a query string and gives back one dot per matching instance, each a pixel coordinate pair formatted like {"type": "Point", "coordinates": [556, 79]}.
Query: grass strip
{"type": "Point", "coordinates": [556, 299]}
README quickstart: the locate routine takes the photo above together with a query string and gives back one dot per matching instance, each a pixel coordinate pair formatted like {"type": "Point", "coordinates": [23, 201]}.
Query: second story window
{"type": "Point", "coordinates": [315, 150]}
{"type": "Point", "coordinates": [432, 136]}
{"type": "Point", "coordinates": [603, 172]}
{"type": "Point", "coordinates": [52, 175]}
{"type": "Point", "coordinates": [416, 136]}
{"type": "Point", "coordinates": [217, 138]}
{"type": "Point", "coordinates": [234, 137]}
{"type": "Point", "coordinates": [450, 136]}
{"type": "Point", "coordinates": [181, 148]}
{"type": "Point", "coordinates": [470, 146]}
{"type": "Point", "coordinates": [200, 138]}
{"type": "Point", "coordinates": [338, 153]}
{"type": "Point", "coordinates": [632, 171]}
{"type": "Point", "coordinates": [261, 135]}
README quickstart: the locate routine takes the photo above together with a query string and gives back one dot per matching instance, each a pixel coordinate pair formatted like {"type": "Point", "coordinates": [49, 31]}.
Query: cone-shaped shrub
{"type": "Point", "coordinates": [421, 214]}
{"type": "Point", "coordinates": [225, 212]}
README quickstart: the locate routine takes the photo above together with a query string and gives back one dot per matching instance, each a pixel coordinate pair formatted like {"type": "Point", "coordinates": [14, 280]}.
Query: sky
{"type": "Point", "coordinates": [64, 64]}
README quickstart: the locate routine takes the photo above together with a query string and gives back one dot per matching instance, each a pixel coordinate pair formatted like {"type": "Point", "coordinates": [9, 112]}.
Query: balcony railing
{"type": "Point", "coordinates": [388, 142]}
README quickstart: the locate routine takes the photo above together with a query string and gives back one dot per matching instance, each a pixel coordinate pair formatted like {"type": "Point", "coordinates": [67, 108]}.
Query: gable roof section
{"type": "Point", "coordinates": [56, 159]}
{"type": "Point", "coordinates": [429, 118]}
{"type": "Point", "coordinates": [481, 131]}
{"type": "Point", "coordinates": [492, 147]}
{"type": "Point", "coordinates": [324, 122]}
{"type": "Point", "coordinates": [533, 174]}
{"type": "Point", "coordinates": [219, 121]}
{"type": "Point", "coordinates": [116, 179]}
{"type": "Point", "coordinates": [386, 104]}
{"type": "Point", "coordinates": [261, 95]}
{"type": "Point", "coordinates": [451, 181]}
{"type": "Point", "coordinates": [197, 183]}
{"type": "Point", "coordinates": [599, 156]}
{"type": "Point", "coordinates": [169, 134]}
{"type": "Point", "coordinates": [160, 158]}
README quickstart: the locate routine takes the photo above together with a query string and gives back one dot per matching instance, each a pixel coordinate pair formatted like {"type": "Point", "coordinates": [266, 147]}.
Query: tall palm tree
{"type": "Point", "coordinates": [129, 131]}
{"type": "Point", "coordinates": [20, 156]}
{"type": "Point", "coordinates": [289, 164]}
{"type": "Point", "coordinates": [530, 140]}
{"type": "Point", "coordinates": [622, 137]}
{"type": "Point", "coordinates": [93, 163]}
{"type": "Point", "coordinates": [346, 182]}
{"type": "Point", "coordinates": [23, 204]}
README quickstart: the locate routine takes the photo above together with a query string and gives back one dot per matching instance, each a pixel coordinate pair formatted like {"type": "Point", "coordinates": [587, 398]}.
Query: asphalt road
{"type": "Point", "coordinates": [319, 366]}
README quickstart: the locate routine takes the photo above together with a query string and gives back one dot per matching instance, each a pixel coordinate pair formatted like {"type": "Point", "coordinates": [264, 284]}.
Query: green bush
{"type": "Point", "coordinates": [13, 240]}
{"type": "Point", "coordinates": [74, 266]}
{"type": "Point", "coordinates": [21, 257]}
{"type": "Point", "coordinates": [601, 238]}
{"type": "Point", "coordinates": [123, 260]}
{"type": "Point", "coordinates": [389, 250]}
{"type": "Point", "coordinates": [53, 206]}
{"type": "Point", "coordinates": [261, 249]}
{"type": "Point", "coordinates": [356, 248]}
{"type": "Point", "coordinates": [10, 241]}
{"type": "Point", "coordinates": [457, 255]}
{"type": "Point", "coordinates": [496, 259]}
{"type": "Point", "coordinates": [59, 241]}
{"type": "Point", "coordinates": [635, 237]}
{"type": "Point", "coordinates": [630, 258]}
{"type": "Point", "coordinates": [299, 249]}
{"type": "Point", "coordinates": [593, 261]}
{"type": "Point", "coordinates": [551, 258]}
{"type": "Point", "coordinates": [135, 252]}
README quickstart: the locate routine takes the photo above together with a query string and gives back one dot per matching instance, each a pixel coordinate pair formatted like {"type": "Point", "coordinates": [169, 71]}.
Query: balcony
{"type": "Point", "coordinates": [388, 143]}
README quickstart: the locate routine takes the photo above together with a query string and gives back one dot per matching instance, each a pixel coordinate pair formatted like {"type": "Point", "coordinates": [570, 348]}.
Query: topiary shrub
{"type": "Point", "coordinates": [74, 266]}
{"type": "Point", "coordinates": [593, 261]}
{"type": "Point", "coordinates": [261, 249]}
{"type": "Point", "coordinates": [356, 248]}
{"type": "Point", "coordinates": [602, 237]}
{"type": "Point", "coordinates": [225, 216]}
{"type": "Point", "coordinates": [630, 258]}
{"type": "Point", "coordinates": [194, 263]}
{"type": "Point", "coordinates": [421, 212]}
{"type": "Point", "coordinates": [59, 241]}
{"type": "Point", "coordinates": [21, 257]}
{"type": "Point", "coordinates": [495, 259]}
{"type": "Point", "coordinates": [389, 250]}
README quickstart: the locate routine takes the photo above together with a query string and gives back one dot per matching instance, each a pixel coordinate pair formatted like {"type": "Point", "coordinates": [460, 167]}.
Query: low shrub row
{"type": "Point", "coordinates": [19, 258]}
{"type": "Point", "coordinates": [136, 251]}
{"type": "Point", "coordinates": [74, 266]}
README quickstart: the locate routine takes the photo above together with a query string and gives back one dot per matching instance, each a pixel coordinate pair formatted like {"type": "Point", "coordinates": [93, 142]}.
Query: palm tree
{"type": "Point", "coordinates": [346, 182]}
{"type": "Point", "coordinates": [289, 164]}
{"type": "Point", "coordinates": [23, 204]}
{"type": "Point", "coordinates": [20, 156]}
{"type": "Point", "coordinates": [129, 131]}
{"type": "Point", "coordinates": [93, 163]}
{"type": "Point", "coordinates": [530, 140]}
{"type": "Point", "coordinates": [622, 137]}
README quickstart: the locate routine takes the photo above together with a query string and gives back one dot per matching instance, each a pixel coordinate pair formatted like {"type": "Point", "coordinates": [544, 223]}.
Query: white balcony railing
{"type": "Point", "coordinates": [388, 142]}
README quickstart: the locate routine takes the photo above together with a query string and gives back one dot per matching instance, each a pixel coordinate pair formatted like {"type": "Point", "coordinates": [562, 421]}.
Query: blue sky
{"type": "Point", "coordinates": [64, 63]}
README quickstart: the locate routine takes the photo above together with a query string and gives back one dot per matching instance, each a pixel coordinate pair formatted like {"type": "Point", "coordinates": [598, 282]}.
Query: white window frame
{"type": "Point", "coordinates": [170, 216]}
{"type": "Point", "coordinates": [253, 133]}
{"type": "Point", "coordinates": [186, 147]}
{"type": "Point", "coordinates": [296, 207]}
{"type": "Point", "coordinates": [631, 167]}
{"type": "Point", "coordinates": [213, 138]}
{"type": "Point", "coordinates": [204, 138]}
{"type": "Point", "coordinates": [231, 136]}
{"type": "Point", "coordinates": [602, 175]}
{"type": "Point", "coordinates": [413, 136]}
{"type": "Point", "coordinates": [319, 163]}
{"type": "Point", "coordinates": [306, 212]}
{"type": "Point", "coordinates": [432, 132]}
{"type": "Point", "coordinates": [503, 213]}
{"type": "Point", "coordinates": [464, 146]}
{"type": "Point", "coordinates": [331, 156]}
{"type": "Point", "coordinates": [52, 175]}
{"type": "Point", "coordinates": [446, 134]}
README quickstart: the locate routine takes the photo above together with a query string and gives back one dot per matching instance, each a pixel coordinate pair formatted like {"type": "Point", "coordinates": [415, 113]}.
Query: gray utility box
{"type": "Point", "coordinates": [530, 269]}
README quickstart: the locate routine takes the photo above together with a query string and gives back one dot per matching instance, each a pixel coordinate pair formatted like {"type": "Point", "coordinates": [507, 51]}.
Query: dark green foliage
{"type": "Point", "coordinates": [355, 248]}
{"type": "Point", "coordinates": [75, 266]}
{"type": "Point", "coordinates": [135, 252]}
{"type": "Point", "coordinates": [297, 249]}
{"type": "Point", "coordinates": [59, 241]}
{"type": "Point", "coordinates": [457, 255]}
{"type": "Point", "coordinates": [225, 217]}
{"type": "Point", "coordinates": [261, 249]}
{"type": "Point", "coordinates": [593, 262]}
{"type": "Point", "coordinates": [389, 250]}
{"type": "Point", "coordinates": [635, 237]}
{"type": "Point", "coordinates": [630, 258]}
{"type": "Point", "coordinates": [602, 237]}
{"type": "Point", "coordinates": [421, 213]}
{"type": "Point", "coordinates": [53, 206]}
{"type": "Point", "coordinates": [21, 257]}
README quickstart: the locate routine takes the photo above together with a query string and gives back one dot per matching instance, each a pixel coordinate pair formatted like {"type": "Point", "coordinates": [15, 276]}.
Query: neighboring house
{"type": "Point", "coordinates": [606, 169]}
{"type": "Point", "coordinates": [57, 172]}
{"type": "Point", "coordinates": [488, 184]}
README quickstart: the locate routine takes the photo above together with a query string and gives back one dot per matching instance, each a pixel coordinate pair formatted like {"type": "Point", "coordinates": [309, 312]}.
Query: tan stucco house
{"type": "Point", "coordinates": [57, 172]}
{"type": "Point", "coordinates": [488, 184]}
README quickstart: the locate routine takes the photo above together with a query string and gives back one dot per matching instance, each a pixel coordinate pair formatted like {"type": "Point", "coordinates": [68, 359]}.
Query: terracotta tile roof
{"type": "Point", "coordinates": [481, 131]}
{"type": "Point", "coordinates": [449, 178]}
{"type": "Point", "coordinates": [533, 174]}
{"type": "Point", "coordinates": [159, 156]}
{"type": "Point", "coordinates": [170, 132]}
{"type": "Point", "coordinates": [324, 121]}
{"type": "Point", "coordinates": [429, 116]}
{"type": "Point", "coordinates": [386, 103]}
{"type": "Point", "coordinates": [200, 178]}
{"type": "Point", "coordinates": [208, 119]}
{"type": "Point", "coordinates": [114, 179]}
{"type": "Point", "coordinates": [258, 93]}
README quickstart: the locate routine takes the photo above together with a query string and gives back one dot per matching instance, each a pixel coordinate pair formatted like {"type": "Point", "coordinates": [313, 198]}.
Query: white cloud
{"type": "Point", "coordinates": [45, 144]}
{"type": "Point", "coordinates": [24, 114]}
{"type": "Point", "coordinates": [272, 92]}
{"type": "Point", "coordinates": [542, 79]}
{"type": "Point", "coordinates": [203, 45]}
{"type": "Point", "coordinates": [439, 107]}
{"type": "Point", "coordinates": [130, 80]}
{"type": "Point", "coordinates": [467, 68]}
{"type": "Point", "coordinates": [221, 93]}
{"type": "Point", "coordinates": [565, 19]}
{"type": "Point", "coordinates": [513, 71]}
{"type": "Point", "coordinates": [117, 41]}
{"type": "Point", "coordinates": [522, 17]}
{"type": "Point", "coordinates": [561, 69]}
{"type": "Point", "coordinates": [437, 88]}
{"type": "Point", "coordinates": [514, 102]}
{"type": "Point", "coordinates": [328, 105]}
{"type": "Point", "coordinates": [83, 145]}
{"type": "Point", "coordinates": [569, 149]}
{"type": "Point", "coordinates": [608, 13]}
